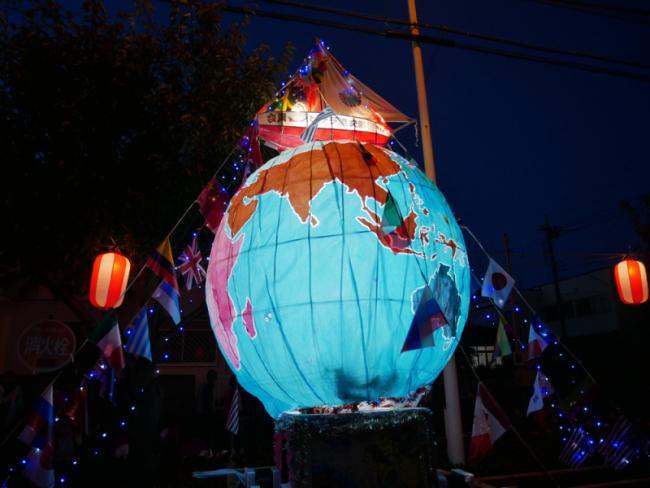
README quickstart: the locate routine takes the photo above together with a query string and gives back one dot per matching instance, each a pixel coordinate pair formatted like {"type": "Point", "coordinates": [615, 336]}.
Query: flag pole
{"type": "Point", "coordinates": [453, 426]}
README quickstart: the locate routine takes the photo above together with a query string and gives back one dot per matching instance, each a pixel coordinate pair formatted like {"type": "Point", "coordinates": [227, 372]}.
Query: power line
{"type": "Point", "coordinates": [459, 32]}
{"type": "Point", "coordinates": [586, 10]}
{"type": "Point", "coordinates": [605, 7]}
{"type": "Point", "coordinates": [438, 41]}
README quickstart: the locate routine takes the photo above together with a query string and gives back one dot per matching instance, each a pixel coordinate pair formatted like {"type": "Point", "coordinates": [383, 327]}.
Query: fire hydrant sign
{"type": "Point", "coordinates": [46, 346]}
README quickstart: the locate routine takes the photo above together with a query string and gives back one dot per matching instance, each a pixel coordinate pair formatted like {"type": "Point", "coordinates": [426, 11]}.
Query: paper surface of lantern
{"type": "Point", "coordinates": [361, 114]}
{"type": "Point", "coordinates": [109, 279]}
{"type": "Point", "coordinates": [631, 282]}
{"type": "Point", "coordinates": [318, 268]}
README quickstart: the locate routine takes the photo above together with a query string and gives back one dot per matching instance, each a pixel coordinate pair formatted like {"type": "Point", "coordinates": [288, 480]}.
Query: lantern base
{"type": "Point", "coordinates": [365, 449]}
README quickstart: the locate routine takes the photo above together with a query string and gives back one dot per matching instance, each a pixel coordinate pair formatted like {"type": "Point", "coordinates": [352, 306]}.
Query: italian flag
{"type": "Point", "coordinates": [108, 339]}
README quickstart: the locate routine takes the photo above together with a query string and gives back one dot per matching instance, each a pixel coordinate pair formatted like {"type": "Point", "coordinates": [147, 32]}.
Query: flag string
{"type": "Point", "coordinates": [512, 425]}
{"type": "Point", "coordinates": [530, 308]}
{"type": "Point", "coordinates": [573, 422]}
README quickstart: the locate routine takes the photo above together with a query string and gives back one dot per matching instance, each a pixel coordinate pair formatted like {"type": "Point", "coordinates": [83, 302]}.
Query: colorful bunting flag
{"type": "Point", "coordinates": [76, 410]}
{"type": "Point", "coordinates": [139, 343]}
{"type": "Point", "coordinates": [394, 228]}
{"type": "Point", "coordinates": [38, 435]}
{"type": "Point", "coordinates": [107, 337]}
{"type": "Point", "coordinates": [161, 262]}
{"type": "Point", "coordinates": [541, 389]}
{"type": "Point", "coordinates": [536, 344]}
{"type": "Point", "coordinates": [391, 218]}
{"type": "Point", "coordinates": [428, 318]}
{"type": "Point", "coordinates": [213, 201]}
{"type": "Point", "coordinates": [490, 423]}
{"type": "Point", "coordinates": [232, 423]}
{"type": "Point", "coordinates": [167, 294]}
{"type": "Point", "coordinates": [168, 297]}
{"type": "Point", "coordinates": [502, 347]}
{"type": "Point", "coordinates": [497, 284]}
{"type": "Point", "coordinates": [250, 144]}
{"type": "Point", "coordinates": [190, 265]}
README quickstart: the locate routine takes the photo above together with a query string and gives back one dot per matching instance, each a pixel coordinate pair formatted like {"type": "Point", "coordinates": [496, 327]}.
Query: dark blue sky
{"type": "Point", "coordinates": [513, 139]}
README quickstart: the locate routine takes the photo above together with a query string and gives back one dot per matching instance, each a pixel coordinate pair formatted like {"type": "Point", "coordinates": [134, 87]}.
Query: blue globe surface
{"type": "Point", "coordinates": [318, 268]}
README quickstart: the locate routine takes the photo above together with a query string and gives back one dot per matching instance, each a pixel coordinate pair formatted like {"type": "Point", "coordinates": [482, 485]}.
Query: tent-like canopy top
{"type": "Point", "coordinates": [360, 113]}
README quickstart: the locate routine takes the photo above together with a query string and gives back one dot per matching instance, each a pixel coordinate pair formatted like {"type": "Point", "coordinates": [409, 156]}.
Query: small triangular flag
{"type": "Point", "coordinates": [541, 389]}
{"type": "Point", "coordinates": [428, 318]}
{"type": "Point", "coordinates": [497, 284]}
{"type": "Point", "coordinates": [502, 347]}
{"type": "Point", "coordinates": [536, 344]}
{"type": "Point", "coordinates": [391, 218]}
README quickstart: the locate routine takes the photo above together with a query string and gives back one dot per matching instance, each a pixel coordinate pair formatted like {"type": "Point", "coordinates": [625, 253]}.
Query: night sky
{"type": "Point", "coordinates": [513, 140]}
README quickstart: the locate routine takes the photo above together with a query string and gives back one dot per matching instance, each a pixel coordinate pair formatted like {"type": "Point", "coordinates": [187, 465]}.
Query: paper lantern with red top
{"type": "Point", "coordinates": [109, 279]}
{"type": "Point", "coordinates": [631, 281]}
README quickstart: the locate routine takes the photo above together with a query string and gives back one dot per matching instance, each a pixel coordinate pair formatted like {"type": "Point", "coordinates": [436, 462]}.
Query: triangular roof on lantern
{"type": "Point", "coordinates": [322, 81]}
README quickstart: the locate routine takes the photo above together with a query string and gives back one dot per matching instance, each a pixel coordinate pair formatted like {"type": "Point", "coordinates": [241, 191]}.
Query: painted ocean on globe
{"type": "Point", "coordinates": [321, 266]}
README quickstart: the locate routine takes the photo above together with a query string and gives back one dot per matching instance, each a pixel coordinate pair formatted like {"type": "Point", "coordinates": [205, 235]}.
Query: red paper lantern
{"type": "Point", "coordinates": [109, 279]}
{"type": "Point", "coordinates": [631, 281]}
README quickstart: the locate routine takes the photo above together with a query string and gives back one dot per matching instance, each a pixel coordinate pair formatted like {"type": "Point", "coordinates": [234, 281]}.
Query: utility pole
{"type": "Point", "coordinates": [453, 425]}
{"type": "Point", "coordinates": [553, 232]}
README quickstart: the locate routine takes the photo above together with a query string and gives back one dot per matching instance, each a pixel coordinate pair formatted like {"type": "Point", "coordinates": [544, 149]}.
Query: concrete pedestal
{"type": "Point", "coordinates": [377, 449]}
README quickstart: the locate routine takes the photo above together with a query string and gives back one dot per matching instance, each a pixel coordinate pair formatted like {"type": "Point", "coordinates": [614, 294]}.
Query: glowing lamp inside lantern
{"type": "Point", "coordinates": [631, 282]}
{"type": "Point", "coordinates": [108, 281]}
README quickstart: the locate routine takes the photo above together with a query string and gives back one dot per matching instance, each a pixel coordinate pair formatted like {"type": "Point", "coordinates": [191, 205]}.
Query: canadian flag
{"type": "Point", "coordinates": [490, 423]}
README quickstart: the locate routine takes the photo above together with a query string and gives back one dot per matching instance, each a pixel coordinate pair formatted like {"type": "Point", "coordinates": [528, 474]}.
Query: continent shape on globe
{"type": "Point", "coordinates": [317, 269]}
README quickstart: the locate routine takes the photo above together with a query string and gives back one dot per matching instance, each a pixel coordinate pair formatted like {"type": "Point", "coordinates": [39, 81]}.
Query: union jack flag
{"type": "Point", "coordinates": [190, 265]}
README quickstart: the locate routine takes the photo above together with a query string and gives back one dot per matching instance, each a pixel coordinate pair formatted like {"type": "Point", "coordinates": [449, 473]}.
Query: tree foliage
{"type": "Point", "coordinates": [110, 125]}
{"type": "Point", "coordinates": [639, 214]}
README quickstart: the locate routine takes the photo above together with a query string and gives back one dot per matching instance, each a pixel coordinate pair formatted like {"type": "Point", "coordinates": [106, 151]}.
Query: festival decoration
{"type": "Point", "coordinates": [139, 343]}
{"type": "Point", "coordinates": [502, 346]}
{"type": "Point", "coordinates": [631, 282]}
{"type": "Point", "coordinates": [108, 281]}
{"type": "Point", "coordinates": [536, 343]}
{"type": "Point", "coordinates": [37, 434]}
{"type": "Point", "coordinates": [161, 262]}
{"type": "Point", "coordinates": [212, 202]}
{"type": "Point", "coordinates": [497, 284]}
{"type": "Point", "coordinates": [232, 422]}
{"type": "Point", "coordinates": [541, 389]}
{"type": "Point", "coordinates": [428, 318]}
{"type": "Point", "coordinates": [190, 264]}
{"type": "Point", "coordinates": [361, 114]}
{"type": "Point", "coordinates": [621, 445]}
{"type": "Point", "coordinates": [311, 293]}
{"type": "Point", "coordinates": [490, 423]}
{"type": "Point", "coordinates": [577, 449]}
{"type": "Point", "coordinates": [107, 337]}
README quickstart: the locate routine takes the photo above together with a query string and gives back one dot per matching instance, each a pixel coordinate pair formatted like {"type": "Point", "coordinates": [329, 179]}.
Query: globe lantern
{"type": "Point", "coordinates": [631, 281]}
{"type": "Point", "coordinates": [108, 281]}
{"type": "Point", "coordinates": [322, 263]}
{"type": "Point", "coordinates": [358, 113]}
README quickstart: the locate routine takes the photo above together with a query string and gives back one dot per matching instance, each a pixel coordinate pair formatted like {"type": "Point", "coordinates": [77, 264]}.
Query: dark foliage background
{"type": "Point", "coordinates": [110, 126]}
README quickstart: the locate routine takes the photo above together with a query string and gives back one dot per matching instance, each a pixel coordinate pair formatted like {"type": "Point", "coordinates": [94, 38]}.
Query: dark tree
{"type": "Point", "coordinates": [639, 213]}
{"type": "Point", "coordinates": [110, 126]}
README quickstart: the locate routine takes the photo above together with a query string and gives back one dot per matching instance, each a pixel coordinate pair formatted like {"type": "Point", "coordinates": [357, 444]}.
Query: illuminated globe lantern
{"type": "Point", "coordinates": [337, 275]}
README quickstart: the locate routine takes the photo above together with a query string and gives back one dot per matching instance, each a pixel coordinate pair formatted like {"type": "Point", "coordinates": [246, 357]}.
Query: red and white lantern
{"type": "Point", "coordinates": [109, 279]}
{"type": "Point", "coordinates": [631, 281]}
